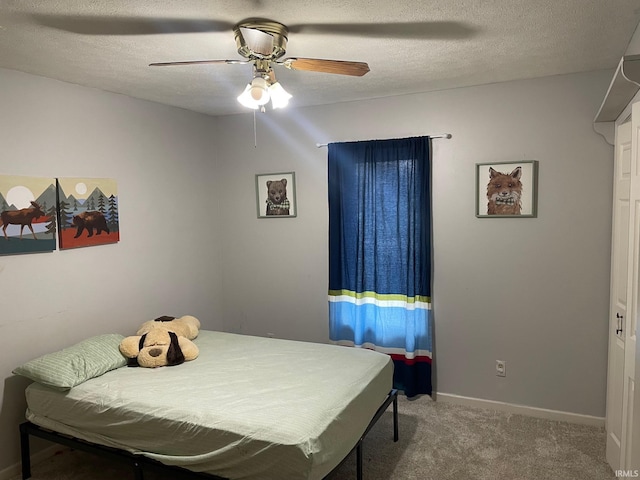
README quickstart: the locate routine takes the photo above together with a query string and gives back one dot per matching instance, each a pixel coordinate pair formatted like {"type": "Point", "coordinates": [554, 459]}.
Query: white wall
{"type": "Point", "coordinates": [167, 261]}
{"type": "Point", "coordinates": [532, 292]}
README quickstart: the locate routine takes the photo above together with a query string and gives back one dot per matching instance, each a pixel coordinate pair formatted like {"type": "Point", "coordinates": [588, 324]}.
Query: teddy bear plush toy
{"type": "Point", "coordinates": [164, 341]}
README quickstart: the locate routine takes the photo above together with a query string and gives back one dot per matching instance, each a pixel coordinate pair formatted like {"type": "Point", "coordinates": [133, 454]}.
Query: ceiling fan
{"type": "Point", "coordinates": [263, 43]}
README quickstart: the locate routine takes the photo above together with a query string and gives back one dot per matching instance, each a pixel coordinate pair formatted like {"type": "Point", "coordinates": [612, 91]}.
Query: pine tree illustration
{"type": "Point", "coordinates": [51, 213]}
{"type": "Point", "coordinates": [101, 203]}
{"type": "Point", "coordinates": [65, 217]}
{"type": "Point", "coordinates": [113, 212]}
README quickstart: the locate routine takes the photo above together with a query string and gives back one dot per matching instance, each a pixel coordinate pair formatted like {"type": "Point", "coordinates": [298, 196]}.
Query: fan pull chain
{"type": "Point", "coordinates": [255, 133]}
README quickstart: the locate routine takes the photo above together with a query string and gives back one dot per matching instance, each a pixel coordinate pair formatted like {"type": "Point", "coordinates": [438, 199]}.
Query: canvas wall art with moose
{"type": "Point", "coordinates": [28, 214]}
{"type": "Point", "coordinates": [87, 212]}
{"type": "Point", "coordinates": [508, 189]}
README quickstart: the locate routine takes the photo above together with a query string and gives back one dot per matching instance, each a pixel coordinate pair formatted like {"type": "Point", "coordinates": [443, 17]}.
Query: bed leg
{"type": "Point", "coordinates": [25, 452]}
{"type": "Point", "coordinates": [359, 460]}
{"type": "Point", "coordinates": [395, 417]}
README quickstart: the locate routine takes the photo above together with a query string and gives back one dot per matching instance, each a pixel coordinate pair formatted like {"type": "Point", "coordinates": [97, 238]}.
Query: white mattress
{"type": "Point", "coordinates": [247, 408]}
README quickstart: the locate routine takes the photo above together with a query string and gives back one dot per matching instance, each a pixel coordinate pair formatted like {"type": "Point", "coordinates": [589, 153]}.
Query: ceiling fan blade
{"type": "Point", "coordinates": [198, 62]}
{"type": "Point", "coordinates": [407, 30]}
{"type": "Point", "coordinates": [104, 25]}
{"type": "Point", "coordinates": [356, 69]}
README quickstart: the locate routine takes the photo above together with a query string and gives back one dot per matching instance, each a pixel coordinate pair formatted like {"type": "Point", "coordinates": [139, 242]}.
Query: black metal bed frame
{"type": "Point", "coordinates": [142, 464]}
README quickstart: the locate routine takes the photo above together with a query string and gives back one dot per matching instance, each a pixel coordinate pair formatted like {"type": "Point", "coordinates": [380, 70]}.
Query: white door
{"type": "Point", "coordinates": [619, 284]}
{"type": "Point", "coordinates": [631, 453]}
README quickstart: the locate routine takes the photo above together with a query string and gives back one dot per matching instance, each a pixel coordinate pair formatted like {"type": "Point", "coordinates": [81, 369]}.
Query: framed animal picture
{"type": "Point", "coordinates": [276, 195]}
{"type": "Point", "coordinates": [87, 212]}
{"type": "Point", "coordinates": [507, 190]}
{"type": "Point", "coordinates": [27, 214]}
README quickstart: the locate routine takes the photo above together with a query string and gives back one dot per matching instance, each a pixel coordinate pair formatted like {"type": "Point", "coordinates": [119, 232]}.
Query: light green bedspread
{"type": "Point", "coordinates": [246, 408]}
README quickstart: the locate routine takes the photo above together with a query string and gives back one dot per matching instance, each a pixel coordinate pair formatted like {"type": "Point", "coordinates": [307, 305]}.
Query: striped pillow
{"type": "Point", "coordinates": [76, 364]}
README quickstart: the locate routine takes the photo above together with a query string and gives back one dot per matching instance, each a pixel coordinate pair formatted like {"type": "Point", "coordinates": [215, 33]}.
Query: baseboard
{"type": "Point", "coordinates": [37, 457]}
{"type": "Point", "coordinates": [521, 409]}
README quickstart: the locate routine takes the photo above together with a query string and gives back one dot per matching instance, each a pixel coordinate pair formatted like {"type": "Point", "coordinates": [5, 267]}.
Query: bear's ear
{"type": "Point", "coordinates": [130, 346]}
{"type": "Point", "coordinates": [174, 354]}
{"type": "Point", "coordinates": [284, 182]}
{"type": "Point", "coordinates": [269, 183]}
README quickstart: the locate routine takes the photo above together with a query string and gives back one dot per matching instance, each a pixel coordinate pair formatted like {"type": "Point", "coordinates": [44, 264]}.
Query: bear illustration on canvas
{"type": "Point", "coordinates": [87, 212]}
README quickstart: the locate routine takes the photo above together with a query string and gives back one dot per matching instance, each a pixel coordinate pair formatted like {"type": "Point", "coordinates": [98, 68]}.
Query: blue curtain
{"type": "Point", "coordinates": [380, 253]}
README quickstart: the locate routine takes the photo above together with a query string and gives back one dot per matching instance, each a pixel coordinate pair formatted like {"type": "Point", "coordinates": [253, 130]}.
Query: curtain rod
{"type": "Point", "coordinates": [440, 135]}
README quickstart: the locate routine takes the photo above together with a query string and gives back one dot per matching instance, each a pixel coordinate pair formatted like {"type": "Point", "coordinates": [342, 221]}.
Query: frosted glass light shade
{"type": "Point", "coordinates": [246, 100]}
{"type": "Point", "coordinates": [279, 96]}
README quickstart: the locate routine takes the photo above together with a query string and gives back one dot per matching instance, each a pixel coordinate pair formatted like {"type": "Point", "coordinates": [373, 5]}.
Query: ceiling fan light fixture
{"type": "Point", "coordinates": [279, 96]}
{"type": "Point", "coordinates": [260, 91]}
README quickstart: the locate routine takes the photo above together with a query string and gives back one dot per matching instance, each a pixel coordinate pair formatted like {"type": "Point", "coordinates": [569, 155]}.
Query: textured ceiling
{"type": "Point", "coordinates": [410, 46]}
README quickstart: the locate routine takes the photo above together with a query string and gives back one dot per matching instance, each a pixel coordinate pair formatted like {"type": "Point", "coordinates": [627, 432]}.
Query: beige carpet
{"type": "Point", "coordinates": [438, 441]}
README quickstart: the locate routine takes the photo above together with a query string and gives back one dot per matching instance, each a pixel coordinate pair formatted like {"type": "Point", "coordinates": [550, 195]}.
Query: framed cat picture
{"type": "Point", "coordinates": [507, 189]}
{"type": "Point", "coordinates": [276, 195]}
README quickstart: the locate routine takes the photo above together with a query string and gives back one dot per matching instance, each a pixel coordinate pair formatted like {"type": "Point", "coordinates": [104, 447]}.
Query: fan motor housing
{"type": "Point", "coordinates": [277, 46]}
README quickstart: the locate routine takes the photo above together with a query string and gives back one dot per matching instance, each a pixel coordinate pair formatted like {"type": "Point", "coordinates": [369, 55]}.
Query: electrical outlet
{"type": "Point", "coordinates": [501, 368]}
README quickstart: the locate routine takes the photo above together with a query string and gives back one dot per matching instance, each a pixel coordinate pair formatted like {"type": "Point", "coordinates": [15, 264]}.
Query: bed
{"type": "Point", "coordinates": [247, 408]}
